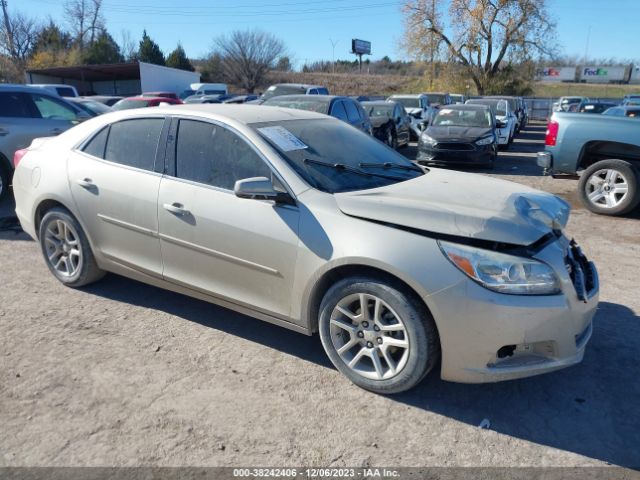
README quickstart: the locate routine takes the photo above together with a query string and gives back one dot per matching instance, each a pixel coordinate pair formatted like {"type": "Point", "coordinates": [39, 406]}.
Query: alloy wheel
{"type": "Point", "coordinates": [370, 338]}
{"type": "Point", "coordinates": [63, 249]}
{"type": "Point", "coordinates": [607, 188]}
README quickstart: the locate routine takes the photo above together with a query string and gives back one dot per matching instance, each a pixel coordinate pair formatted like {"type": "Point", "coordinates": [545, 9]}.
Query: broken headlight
{"type": "Point", "coordinates": [501, 272]}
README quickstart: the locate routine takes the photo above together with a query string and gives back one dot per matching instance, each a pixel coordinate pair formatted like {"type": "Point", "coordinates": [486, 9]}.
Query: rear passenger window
{"type": "Point", "coordinates": [53, 109]}
{"type": "Point", "coordinates": [339, 112]}
{"type": "Point", "coordinates": [14, 104]}
{"type": "Point", "coordinates": [97, 144]}
{"type": "Point", "coordinates": [210, 154]}
{"type": "Point", "coordinates": [134, 142]}
{"type": "Point", "coordinates": [352, 112]}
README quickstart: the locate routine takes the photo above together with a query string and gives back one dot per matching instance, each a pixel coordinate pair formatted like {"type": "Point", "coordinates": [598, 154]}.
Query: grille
{"type": "Point", "coordinates": [454, 146]}
{"type": "Point", "coordinates": [581, 271]}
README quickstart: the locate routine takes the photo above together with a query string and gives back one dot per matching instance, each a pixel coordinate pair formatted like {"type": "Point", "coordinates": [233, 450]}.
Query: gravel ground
{"type": "Point", "coordinates": [123, 374]}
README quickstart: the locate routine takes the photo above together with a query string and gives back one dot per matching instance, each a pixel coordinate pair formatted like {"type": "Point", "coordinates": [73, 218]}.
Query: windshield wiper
{"type": "Point", "coordinates": [413, 168]}
{"type": "Point", "coordinates": [348, 168]}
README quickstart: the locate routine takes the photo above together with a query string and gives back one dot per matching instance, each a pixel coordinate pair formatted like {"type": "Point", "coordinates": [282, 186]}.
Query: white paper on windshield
{"type": "Point", "coordinates": [446, 111]}
{"type": "Point", "coordinates": [283, 138]}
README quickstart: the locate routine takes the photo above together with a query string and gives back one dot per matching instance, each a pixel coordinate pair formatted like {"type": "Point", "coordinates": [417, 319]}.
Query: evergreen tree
{"type": "Point", "coordinates": [103, 50]}
{"type": "Point", "coordinates": [178, 59]}
{"type": "Point", "coordinates": [149, 51]}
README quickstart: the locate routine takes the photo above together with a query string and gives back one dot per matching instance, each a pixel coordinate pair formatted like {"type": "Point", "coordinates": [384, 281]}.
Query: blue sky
{"type": "Point", "coordinates": [308, 27]}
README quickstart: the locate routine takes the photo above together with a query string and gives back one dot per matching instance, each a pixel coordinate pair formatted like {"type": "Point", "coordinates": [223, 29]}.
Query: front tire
{"type": "Point", "coordinates": [376, 334]}
{"type": "Point", "coordinates": [66, 249]}
{"type": "Point", "coordinates": [610, 187]}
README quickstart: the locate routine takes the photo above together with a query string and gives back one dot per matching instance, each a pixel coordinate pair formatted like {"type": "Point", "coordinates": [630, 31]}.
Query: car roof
{"type": "Point", "coordinates": [436, 93]}
{"type": "Point", "coordinates": [242, 113]}
{"type": "Point", "coordinates": [378, 103]}
{"type": "Point", "coordinates": [467, 106]}
{"type": "Point", "coordinates": [146, 99]}
{"type": "Point", "coordinates": [14, 87]}
{"type": "Point", "coordinates": [302, 85]}
{"type": "Point", "coordinates": [407, 95]}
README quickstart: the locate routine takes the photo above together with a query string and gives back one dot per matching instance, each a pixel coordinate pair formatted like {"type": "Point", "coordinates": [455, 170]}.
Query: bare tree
{"type": "Point", "coordinates": [480, 35]}
{"type": "Point", "coordinates": [18, 34]}
{"type": "Point", "coordinates": [85, 19]}
{"type": "Point", "coordinates": [127, 45]}
{"type": "Point", "coordinates": [248, 55]}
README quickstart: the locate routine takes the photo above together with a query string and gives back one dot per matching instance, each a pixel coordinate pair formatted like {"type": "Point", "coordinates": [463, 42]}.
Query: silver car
{"type": "Point", "coordinates": [301, 220]}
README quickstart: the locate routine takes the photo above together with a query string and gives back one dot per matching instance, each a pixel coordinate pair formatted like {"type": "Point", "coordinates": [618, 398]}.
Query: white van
{"type": "Point", "coordinates": [59, 89]}
{"type": "Point", "coordinates": [209, 88]}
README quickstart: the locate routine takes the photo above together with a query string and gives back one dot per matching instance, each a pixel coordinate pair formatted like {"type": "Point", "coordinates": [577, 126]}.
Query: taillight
{"type": "Point", "coordinates": [551, 136]}
{"type": "Point", "coordinates": [18, 156]}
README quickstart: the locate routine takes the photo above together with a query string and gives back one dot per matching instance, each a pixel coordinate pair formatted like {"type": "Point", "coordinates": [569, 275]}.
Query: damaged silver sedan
{"type": "Point", "coordinates": [301, 220]}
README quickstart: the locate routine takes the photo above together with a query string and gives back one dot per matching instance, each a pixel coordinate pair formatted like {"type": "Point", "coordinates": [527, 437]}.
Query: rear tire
{"type": "Point", "coordinates": [402, 336]}
{"type": "Point", "coordinates": [66, 249]}
{"type": "Point", "coordinates": [610, 187]}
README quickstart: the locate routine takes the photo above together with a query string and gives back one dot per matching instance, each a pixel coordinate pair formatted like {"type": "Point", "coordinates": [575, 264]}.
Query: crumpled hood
{"type": "Point", "coordinates": [453, 134]}
{"type": "Point", "coordinates": [377, 122]}
{"type": "Point", "coordinates": [461, 204]}
{"type": "Point", "coordinates": [411, 111]}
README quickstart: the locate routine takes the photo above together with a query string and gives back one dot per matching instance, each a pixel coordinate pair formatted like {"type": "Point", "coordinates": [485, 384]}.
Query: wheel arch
{"type": "Point", "coordinates": [597, 150]}
{"type": "Point", "coordinates": [329, 277]}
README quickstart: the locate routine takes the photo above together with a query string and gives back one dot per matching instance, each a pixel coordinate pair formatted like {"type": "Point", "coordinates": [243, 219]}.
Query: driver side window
{"type": "Point", "coordinates": [210, 154]}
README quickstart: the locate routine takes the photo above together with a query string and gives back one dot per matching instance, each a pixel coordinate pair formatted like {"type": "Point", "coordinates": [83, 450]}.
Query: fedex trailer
{"type": "Point", "coordinates": [602, 74]}
{"type": "Point", "coordinates": [557, 74]}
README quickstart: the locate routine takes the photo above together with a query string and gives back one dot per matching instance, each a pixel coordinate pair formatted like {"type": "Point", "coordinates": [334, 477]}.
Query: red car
{"type": "Point", "coordinates": [161, 94]}
{"type": "Point", "coordinates": [142, 102]}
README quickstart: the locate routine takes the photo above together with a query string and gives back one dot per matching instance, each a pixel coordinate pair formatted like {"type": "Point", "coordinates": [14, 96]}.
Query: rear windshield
{"type": "Point", "coordinates": [436, 98]}
{"type": "Point", "coordinates": [498, 107]}
{"type": "Point", "coordinates": [127, 104]}
{"type": "Point", "coordinates": [379, 110]}
{"type": "Point", "coordinates": [407, 102]}
{"type": "Point", "coordinates": [311, 103]}
{"type": "Point", "coordinates": [277, 90]}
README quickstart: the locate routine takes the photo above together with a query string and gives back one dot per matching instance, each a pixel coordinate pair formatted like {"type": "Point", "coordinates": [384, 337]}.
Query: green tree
{"type": "Point", "coordinates": [149, 51]}
{"type": "Point", "coordinates": [284, 64]}
{"type": "Point", "coordinates": [212, 69]}
{"type": "Point", "coordinates": [51, 38]}
{"type": "Point", "coordinates": [178, 59]}
{"type": "Point", "coordinates": [103, 50]}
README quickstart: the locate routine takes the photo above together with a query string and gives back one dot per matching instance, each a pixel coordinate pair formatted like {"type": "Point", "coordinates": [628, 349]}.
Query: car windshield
{"type": "Point", "coordinates": [277, 90]}
{"type": "Point", "coordinates": [407, 102]}
{"type": "Point", "coordinates": [456, 98]}
{"type": "Point", "coordinates": [334, 157]}
{"type": "Point", "coordinates": [498, 107]}
{"type": "Point", "coordinates": [436, 98]}
{"type": "Point", "coordinates": [311, 103]}
{"type": "Point", "coordinates": [379, 110]}
{"type": "Point", "coordinates": [458, 117]}
{"type": "Point", "coordinates": [95, 107]}
{"type": "Point", "coordinates": [127, 104]}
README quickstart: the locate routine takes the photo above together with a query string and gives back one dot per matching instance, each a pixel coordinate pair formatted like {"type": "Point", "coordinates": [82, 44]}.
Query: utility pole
{"type": "Point", "coordinates": [586, 47]}
{"type": "Point", "coordinates": [432, 45]}
{"type": "Point", "coordinates": [7, 28]}
{"type": "Point", "coordinates": [333, 53]}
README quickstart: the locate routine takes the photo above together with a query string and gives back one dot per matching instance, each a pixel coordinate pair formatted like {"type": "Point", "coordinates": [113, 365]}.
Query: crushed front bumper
{"type": "Point", "coordinates": [488, 336]}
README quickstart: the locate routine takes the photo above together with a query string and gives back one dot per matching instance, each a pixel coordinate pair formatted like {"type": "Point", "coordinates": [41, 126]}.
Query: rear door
{"type": "Point", "coordinates": [356, 118]}
{"type": "Point", "coordinates": [240, 250]}
{"type": "Point", "coordinates": [114, 179]}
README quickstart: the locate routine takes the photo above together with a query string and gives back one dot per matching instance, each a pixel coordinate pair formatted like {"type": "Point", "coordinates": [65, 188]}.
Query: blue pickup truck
{"type": "Point", "coordinates": [604, 151]}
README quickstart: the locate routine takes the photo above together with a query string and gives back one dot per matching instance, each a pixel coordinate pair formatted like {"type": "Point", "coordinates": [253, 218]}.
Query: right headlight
{"type": "Point", "coordinates": [502, 272]}
{"type": "Point", "coordinates": [485, 140]}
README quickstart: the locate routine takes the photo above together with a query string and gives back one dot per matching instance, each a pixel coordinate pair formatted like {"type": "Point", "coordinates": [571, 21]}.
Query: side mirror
{"type": "Point", "coordinates": [260, 188]}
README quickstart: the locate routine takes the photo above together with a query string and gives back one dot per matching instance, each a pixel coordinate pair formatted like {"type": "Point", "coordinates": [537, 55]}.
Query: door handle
{"type": "Point", "coordinates": [176, 208]}
{"type": "Point", "coordinates": [86, 183]}
{"type": "Point", "coordinates": [3, 132]}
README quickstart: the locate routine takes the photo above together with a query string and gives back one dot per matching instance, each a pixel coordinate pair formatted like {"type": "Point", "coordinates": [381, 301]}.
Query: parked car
{"type": "Point", "coordinates": [439, 99]}
{"type": "Point", "coordinates": [627, 110]}
{"type": "Point", "coordinates": [142, 102]}
{"type": "Point", "coordinates": [460, 135]}
{"type": "Point", "coordinates": [605, 150]}
{"type": "Point", "coordinates": [568, 104]}
{"type": "Point", "coordinates": [241, 98]}
{"type": "Point", "coordinates": [108, 100]}
{"type": "Point", "coordinates": [209, 88]}
{"type": "Point", "coordinates": [419, 110]}
{"type": "Point", "coordinates": [457, 98]}
{"type": "Point", "coordinates": [186, 93]}
{"type": "Point", "coordinates": [291, 89]}
{"type": "Point", "coordinates": [26, 113]}
{"type": "Point", "coordinates": [342, 108]}
{"type": "Point", "coordinates": [505, 118]}
{"type": "Point", "coordinates": [300, 220]}
{"type": "Point", "coordinates": [594, 106]}
{"type": "Point", "coordinates": [515, 106]}
{"type": "Point", "coordinates": [390, 122]}
{"type": "Point", "coordinates": [525, 112]}
{"type": "Point", "coordinates": [91, 107]}
{"type": "Point", "coordinates": [161, 94]}
{"type": "Point", "coordinates": [203, 99]}
{"type": "Point", "coordinates": [60, 89]}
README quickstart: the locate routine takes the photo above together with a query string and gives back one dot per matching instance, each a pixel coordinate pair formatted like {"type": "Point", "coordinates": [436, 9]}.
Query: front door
{"type": "Point", "coordinates": [240, 250]}
{"type": "Point", "coordinates": [114, 182]}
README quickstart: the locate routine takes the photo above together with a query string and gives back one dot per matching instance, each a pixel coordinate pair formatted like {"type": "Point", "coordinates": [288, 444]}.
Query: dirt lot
{"type": "Point", "coordinates": [125, 374]}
